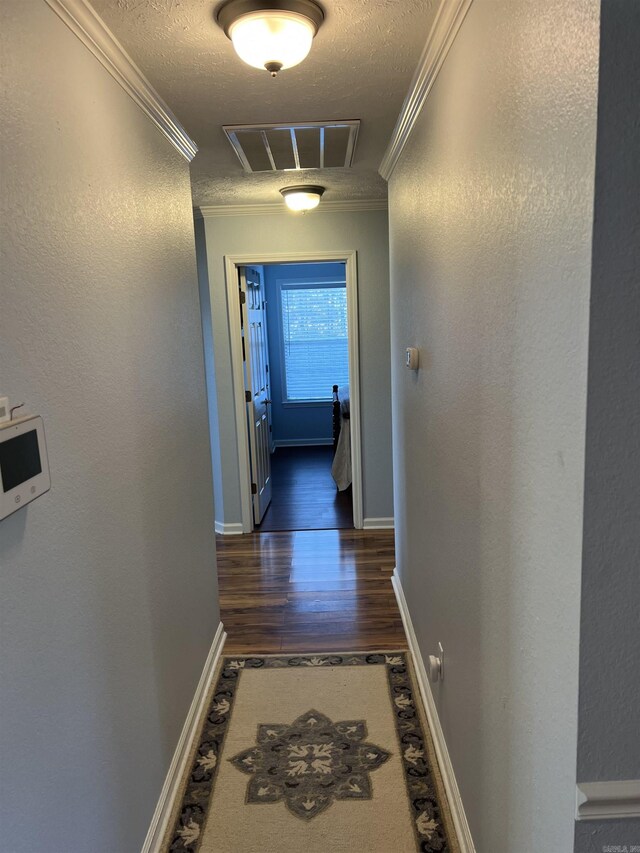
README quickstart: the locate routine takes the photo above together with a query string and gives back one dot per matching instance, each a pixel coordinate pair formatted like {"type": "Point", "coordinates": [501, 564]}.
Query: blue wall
{"type": "Point", "coordinates": [299, 422]}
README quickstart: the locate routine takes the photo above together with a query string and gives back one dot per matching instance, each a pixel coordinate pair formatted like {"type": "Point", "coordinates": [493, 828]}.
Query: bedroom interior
{"type": "Point", "coordinates": [294, 339]}
{"type": "Point", "coordinates": [306, 353]}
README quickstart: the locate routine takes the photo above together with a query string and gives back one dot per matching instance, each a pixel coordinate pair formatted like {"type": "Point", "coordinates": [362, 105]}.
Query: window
{"type": "Point", "coordinates": [314, 339]}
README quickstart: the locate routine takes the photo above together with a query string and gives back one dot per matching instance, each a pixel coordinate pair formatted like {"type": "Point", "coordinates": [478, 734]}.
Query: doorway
{"type": "Point", "coordinates": [294, 336]}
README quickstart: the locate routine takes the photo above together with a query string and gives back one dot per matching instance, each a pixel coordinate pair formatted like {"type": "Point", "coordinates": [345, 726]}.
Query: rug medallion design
{"type": "Point", "coordinates": [335, 753]}
{"type": "Point", "coordinates": [310, 763]}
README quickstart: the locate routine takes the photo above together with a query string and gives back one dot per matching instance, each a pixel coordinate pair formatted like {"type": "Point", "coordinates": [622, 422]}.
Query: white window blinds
{"type": "Point", "coordinates": [314, 338]}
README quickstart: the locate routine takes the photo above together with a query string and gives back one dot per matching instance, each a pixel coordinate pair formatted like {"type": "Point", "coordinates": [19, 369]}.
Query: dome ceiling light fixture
{"type": "Point", "coordinates": [271, 34]}
{"type": "Point", "coordinates": [302, 198]}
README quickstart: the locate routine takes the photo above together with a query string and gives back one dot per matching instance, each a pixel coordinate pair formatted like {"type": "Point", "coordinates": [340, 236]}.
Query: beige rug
{"type": "Point", "coordinates": [321, 754]}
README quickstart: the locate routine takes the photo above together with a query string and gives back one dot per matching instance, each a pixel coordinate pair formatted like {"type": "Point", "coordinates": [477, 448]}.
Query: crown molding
{"type": "Point", "coordinates": [94, 34]}
{"type": "Point", "coordinates": [443, 32]}
{"type": "Point", "coordinates": [279, 208]}
{"type": "Point", "coordinates": [608, 800]}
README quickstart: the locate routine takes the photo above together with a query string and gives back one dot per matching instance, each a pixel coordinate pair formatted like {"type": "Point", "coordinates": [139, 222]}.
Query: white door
{"type": "Point", "coordinates": [256, 374]}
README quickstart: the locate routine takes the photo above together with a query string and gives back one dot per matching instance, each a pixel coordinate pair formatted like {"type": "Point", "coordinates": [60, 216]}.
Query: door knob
{"type": "Point", "coordinates": [267, 402]}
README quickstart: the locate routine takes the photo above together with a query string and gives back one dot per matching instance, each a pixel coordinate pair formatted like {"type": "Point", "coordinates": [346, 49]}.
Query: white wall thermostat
{"type": "Point", "coordinates": [24, 465]}
{"type": "Point", "coordinates": [413, 358]}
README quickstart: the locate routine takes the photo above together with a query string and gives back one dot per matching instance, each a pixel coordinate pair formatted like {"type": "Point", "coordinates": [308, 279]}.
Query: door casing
{"type": "Point", "coordinates": [232, 262]}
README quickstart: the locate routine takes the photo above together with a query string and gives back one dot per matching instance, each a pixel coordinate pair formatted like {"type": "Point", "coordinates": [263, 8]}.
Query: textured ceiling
{"type": "Point", "coordinates": [360, 67]}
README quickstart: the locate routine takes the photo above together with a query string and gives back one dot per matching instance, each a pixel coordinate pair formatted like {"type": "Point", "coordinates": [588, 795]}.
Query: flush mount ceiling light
{"type": "Point", "coordinates": [302, 198]}
{"type": "Point", "coordinates": [271, 34]}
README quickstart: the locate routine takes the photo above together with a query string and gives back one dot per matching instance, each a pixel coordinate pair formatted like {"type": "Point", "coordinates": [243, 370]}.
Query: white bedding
{"type": "Point", "coordinates": [345, 400]}
{"type": "Point", "coordinates": [341, 468]}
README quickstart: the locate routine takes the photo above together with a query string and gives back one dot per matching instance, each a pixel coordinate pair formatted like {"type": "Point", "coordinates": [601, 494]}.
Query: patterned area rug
{"type": "Point", "coordinates": [320, 754]}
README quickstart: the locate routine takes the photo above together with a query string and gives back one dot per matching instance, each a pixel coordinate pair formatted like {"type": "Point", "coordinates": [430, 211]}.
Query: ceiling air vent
{"type": "Point", "coordinates": [278, 147]}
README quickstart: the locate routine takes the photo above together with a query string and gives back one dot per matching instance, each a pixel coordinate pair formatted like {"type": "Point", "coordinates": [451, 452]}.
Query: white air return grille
{"type": "Point", "coordinates": [279, 147]}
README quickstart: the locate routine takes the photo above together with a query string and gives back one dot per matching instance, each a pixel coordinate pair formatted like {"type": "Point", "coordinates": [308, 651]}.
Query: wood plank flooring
{"type": "Point", "coordinates": [309, 591]}
{"type": "Point", "coordinates": [304, 493]}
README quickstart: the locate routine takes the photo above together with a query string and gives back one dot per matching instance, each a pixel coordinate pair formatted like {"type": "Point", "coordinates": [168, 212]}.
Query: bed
{"type": "Point", "coordinates": [341, 468]}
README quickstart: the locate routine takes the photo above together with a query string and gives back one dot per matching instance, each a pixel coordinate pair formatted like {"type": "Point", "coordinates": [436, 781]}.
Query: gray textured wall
{"type": "Point", "coordinates": [609, 715]}
{"type": "Point", "coordinates": [367, 233]}
{"type": "Point", "coordinates": [108, 585]}
{"type": "Point", "coordinates": [490, 224]}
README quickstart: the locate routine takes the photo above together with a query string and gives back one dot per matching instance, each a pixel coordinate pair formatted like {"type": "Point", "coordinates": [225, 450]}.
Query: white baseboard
{"type": "Point", "coordinates": [302, 442]}
{"type": "Point", "coordinates": [378, 524]}
{"type": "Point", "coordinates": [608, 800]}
{"type": "Point", "coordinates": [234, 529]}
{"type": "Point", "coordinates": [175, 773]}
{"type": "Point", "coordinates": [442, 752]}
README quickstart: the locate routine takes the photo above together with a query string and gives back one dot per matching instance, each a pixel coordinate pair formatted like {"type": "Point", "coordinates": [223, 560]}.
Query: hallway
{"type": "Point", "coordinates": [473, 169]}
{"type": "Point", "coordinates": [323, 590]}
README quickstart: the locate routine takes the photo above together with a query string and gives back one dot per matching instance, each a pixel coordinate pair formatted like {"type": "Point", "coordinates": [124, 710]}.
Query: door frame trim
{"type": "Point", "coordinates": [231, 264]}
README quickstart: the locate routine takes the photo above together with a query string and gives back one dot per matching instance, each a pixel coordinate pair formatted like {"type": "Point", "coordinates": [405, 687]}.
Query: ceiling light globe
{"type": "Point", "coordinates": [272, 40]}
{"type": "Point", "coordinates": [302, 199]}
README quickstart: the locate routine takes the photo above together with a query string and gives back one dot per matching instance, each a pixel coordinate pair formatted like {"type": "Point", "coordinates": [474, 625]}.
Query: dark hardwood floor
{"type": "Point", "coordinates": [309, 591]}
{"type": "Point", "coordinates": [304, 493]}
